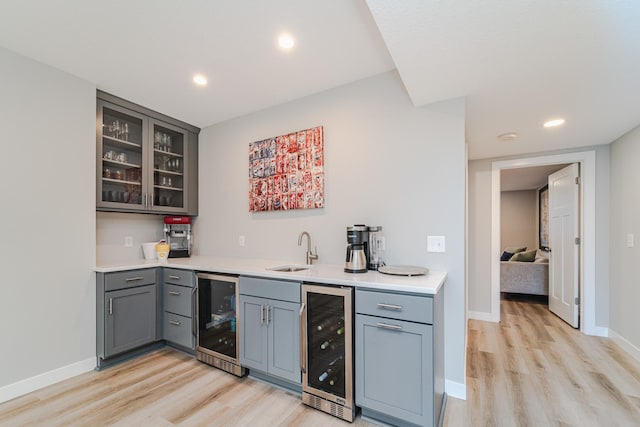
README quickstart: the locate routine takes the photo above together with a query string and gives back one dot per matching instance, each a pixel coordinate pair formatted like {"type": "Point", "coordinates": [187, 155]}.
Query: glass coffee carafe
{"type": "Point", "coordinates": [376, 247]}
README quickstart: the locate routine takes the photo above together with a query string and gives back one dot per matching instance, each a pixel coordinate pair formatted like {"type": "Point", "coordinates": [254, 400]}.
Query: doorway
{"type": "Point", "coordinates": [586, 160]}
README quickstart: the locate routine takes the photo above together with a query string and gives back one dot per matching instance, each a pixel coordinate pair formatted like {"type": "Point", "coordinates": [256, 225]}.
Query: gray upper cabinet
{"type": "Point", "coordinates": [146, 162]}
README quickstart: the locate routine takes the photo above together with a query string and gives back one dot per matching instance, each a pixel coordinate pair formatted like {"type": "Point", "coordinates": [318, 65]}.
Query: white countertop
{"type": "Point", "coordinates": [332, 274]}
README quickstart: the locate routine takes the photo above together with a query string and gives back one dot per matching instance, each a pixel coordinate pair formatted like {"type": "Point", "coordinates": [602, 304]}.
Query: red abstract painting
{"type": "Point", "coordinates": [287, 172]}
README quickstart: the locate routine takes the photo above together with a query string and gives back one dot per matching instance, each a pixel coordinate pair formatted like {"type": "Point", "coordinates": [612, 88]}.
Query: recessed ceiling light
{"type": "Point", "coordinates": [506, 137]}
{"type": "Point", "coordinates": [554, 123]}
{"type": "Point", "coordinates": [285, 41]}
{"type": "Point", "coordinates": [200, 80]}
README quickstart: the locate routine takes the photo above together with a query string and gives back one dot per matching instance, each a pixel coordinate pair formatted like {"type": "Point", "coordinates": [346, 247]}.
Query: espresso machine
{"type": "Point", "coordinates": [177, 233]}
{"type": "Point", "coordinates": [357, 249]}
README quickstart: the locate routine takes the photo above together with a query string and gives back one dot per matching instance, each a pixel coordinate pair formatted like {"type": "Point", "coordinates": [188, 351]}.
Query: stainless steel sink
{"type": "Point", "coordinates": [290, 268]}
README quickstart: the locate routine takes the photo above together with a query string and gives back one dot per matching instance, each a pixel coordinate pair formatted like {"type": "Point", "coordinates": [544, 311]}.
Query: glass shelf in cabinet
{"type": "Point", "coordinates": [168, 188]}
{"type": "Point", "coordinates": [167, 172]}
{"type": "Point", "coordinates": [120, 181]}
{"type": "Point", "coordinates": [167, 153]}
{"type": "Point", "coordinates": [121, 142]}
{"type": "Point", "coordinates": [115, 162]}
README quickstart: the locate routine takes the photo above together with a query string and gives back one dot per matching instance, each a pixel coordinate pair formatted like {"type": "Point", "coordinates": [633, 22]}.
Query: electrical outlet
{"type": "Point", "coordinates": [435, 244]}
{"type": "Point", "coordinates": [240, 240]}
{"type": "Point", "coordinates": [630, 240]}
{"type": "Point", "coordinates": [128, 241]}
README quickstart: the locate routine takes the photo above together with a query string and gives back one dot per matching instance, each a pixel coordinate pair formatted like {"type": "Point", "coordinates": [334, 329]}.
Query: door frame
{"type": "Point", "coordinates": [587, 160]}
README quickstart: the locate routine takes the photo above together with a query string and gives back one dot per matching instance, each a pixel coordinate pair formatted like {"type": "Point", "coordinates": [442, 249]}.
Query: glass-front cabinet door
{"type": "Point", "coordinates": [169, 170]}
{"type": "Point", "coordinates": [122, 136]}
{"type": "Point", "coordinates": [144, 164]}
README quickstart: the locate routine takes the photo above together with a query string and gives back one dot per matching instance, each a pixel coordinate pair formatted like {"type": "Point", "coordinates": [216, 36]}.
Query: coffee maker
{"type": "Point", "coordinates": [357, 249]}
{"type": "Point", "coordinates": [177, 233]}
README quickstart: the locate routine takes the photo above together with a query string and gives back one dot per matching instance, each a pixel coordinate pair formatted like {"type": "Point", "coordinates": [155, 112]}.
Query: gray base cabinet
{"type": "Point", "coordinates": [127, 314]}
{"type": "Point", "coordinates": [270, 327]}
{"type": "Point", "coordinates": [399, 364]}
{"type": "Point", "coordinates": [179, 313]}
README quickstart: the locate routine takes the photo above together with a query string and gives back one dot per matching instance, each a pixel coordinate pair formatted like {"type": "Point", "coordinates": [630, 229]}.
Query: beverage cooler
{"type": "Point", "coordinates": [327, 349]}
{"type": "Point", "coordinates": [217, 335]}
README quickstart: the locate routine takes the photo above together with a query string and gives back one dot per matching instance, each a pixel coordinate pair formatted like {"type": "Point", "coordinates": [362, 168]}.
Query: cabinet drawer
{"type": "Point", "coordinates": [129, 279]}
{"type": "Point", "coordinates": [415, 308]}
{"type": "Point", "coordinates": [269, 288]}
{"type": "Point", "coordinates": [178, 300]}
{"type": "Point", "coordinates": [179, 277]}
{"type": "Point", "coordinates": [178, 330]}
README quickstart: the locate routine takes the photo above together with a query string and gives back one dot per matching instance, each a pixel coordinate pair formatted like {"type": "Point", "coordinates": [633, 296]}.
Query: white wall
{"type": "Point", "coordinates": [518, 219]}
{"type": "Point", "coordinates": [113, 227]}
{"type": "Point", "coordinates": [386, 163]}
{"type": "Point", "coordinates": [47, 308]}
{"type": "Point", "coordinates": [479, 273]}
{"type": "Point", "coordinates": [625, 219]}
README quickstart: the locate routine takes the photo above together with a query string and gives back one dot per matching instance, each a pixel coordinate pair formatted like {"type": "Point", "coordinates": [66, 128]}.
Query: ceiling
{"type": "Point", "coordinates": [517, 63]}
{"type": "Point", "coordinates": [529, 178]}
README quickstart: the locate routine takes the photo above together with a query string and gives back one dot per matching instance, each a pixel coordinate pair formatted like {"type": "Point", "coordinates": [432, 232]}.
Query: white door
{"type": "Point", "coordinates": [564, 228]}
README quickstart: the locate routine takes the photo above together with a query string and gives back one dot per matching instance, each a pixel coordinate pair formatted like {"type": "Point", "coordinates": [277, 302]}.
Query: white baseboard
{"type": "Point", "coordinates": [454, 389]}
{"type": "Point", "coordinates": [480, 315]}
{"type": "Point", "coordinates": [625, 344]}
{"type": "Point", "coordinates": [597, 331]}
{"type": "Point", "coordinates": [28, 385]}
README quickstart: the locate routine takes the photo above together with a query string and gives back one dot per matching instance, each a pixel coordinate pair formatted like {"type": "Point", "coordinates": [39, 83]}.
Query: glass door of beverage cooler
{"type": "Point", "coordinates": [217, 333]}
{"type": "Point", "coordinates": [327, 351]}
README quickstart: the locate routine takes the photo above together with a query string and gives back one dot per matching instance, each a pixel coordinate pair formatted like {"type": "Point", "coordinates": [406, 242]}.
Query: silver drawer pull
{"type": "Point", "coordinates": [173, 322]}
{"type": "Point", "coordinates": [174, 293]}
{"type": "Point", "coordinates": [389, 306]}
{"type": "Point", "coordinates": [174, 277]}
{"type": "Point", "coordinates": [133, 279]}
{"type": "Point", "coordinates": [388, 326]}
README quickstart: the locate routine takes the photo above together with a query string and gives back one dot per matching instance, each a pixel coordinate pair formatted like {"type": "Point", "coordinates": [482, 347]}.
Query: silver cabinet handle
{"type": "Point", "coordinates": [388, 326]}
{"type": "Point", "coordinates": [174, 277]}
{"type": "Point", "coordinates": [110, 306]}
{"type": "Point", "coordinates": [389, 306]}
{"type": "Point", "coordinates": [176, 293]}
{"type": "Point", "coordinates": [133, 279]}
{"type": "Point", "coordinates": [261, 314]}
{"type": "Point", "coordinates": [173, 322]}
{"type": "Point", "coordinates": [303, 338]}
{"type": "Point", "coordinates": [268, 314]}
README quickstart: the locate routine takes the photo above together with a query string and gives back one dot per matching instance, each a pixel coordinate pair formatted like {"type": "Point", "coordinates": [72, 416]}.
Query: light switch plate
{"type": "Point", "coordinates": [630, 240]}
{"type": "Point", "coordinates": [435, 244]}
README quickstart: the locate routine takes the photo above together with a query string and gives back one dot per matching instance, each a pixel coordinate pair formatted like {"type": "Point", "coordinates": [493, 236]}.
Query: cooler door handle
{"type": "Point", "coordinates": [303, 340]}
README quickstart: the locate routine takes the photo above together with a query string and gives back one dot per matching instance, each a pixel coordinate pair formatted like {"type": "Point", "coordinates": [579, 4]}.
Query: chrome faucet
{"type": "Point", "coordinates": [310, 255]}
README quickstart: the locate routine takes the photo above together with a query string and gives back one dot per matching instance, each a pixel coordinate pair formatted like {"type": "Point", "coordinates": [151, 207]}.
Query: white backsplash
{"type": "Point", "coordinates": [113, 227]}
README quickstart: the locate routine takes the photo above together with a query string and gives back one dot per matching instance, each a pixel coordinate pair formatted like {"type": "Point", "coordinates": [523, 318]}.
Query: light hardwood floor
{"type": "Point", "coordinates": [529, 370]}
{"type": "Point", "coordinates": [532, 369]}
